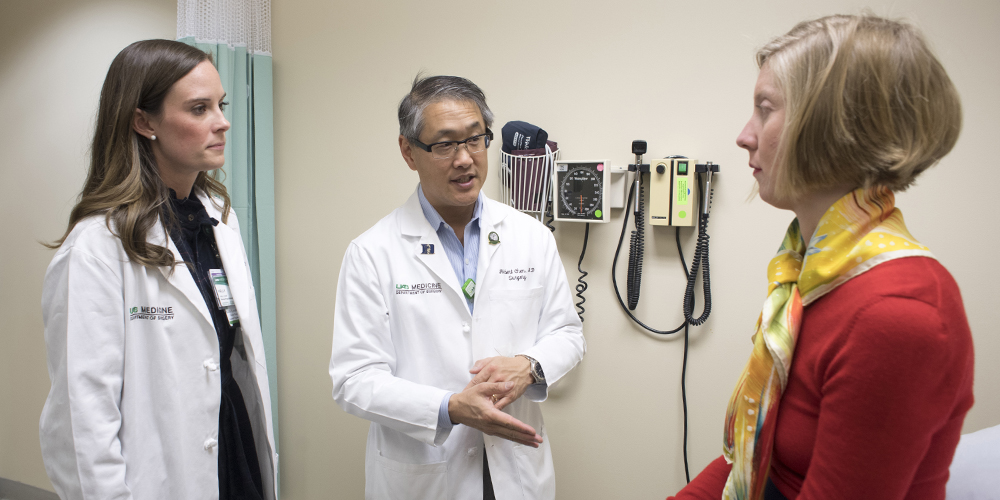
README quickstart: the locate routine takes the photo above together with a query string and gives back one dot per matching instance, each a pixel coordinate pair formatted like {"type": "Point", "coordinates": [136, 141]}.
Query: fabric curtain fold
{"type": "Point", "coordinates": [238, 35]}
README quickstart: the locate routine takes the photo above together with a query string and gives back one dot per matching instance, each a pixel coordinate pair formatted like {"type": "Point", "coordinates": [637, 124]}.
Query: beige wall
{"type": "Point", "coordinates": [53, 58]}
{"type": "Point", "coordinates": [596, 75]}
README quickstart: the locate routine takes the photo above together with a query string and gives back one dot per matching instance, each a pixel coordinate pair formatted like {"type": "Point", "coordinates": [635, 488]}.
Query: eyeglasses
{"type": "Point", "coordinates": [446, 149]}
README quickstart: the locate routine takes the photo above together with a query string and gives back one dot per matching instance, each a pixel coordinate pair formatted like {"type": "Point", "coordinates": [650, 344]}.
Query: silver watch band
{"type": "Point", "coordinates": [535, 368]}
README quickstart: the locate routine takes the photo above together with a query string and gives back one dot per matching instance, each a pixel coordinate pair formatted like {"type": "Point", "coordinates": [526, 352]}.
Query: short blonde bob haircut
{"type": "Point", "coordinates": [866, 103]}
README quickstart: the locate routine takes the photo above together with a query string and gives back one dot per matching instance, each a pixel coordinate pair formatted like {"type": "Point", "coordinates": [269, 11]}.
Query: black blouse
{"type": "Point", "coordinates": [239, 470]}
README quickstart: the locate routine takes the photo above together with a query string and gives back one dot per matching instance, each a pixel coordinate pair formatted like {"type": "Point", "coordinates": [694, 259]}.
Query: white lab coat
{"type": "Point", "coordinates": [133, 356]}
{"type": "Point", "coordinates": [403, 337]}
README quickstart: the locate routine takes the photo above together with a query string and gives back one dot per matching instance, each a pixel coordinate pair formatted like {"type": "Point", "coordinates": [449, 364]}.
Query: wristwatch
{"type": "Point", "coordinates": [536, 369]}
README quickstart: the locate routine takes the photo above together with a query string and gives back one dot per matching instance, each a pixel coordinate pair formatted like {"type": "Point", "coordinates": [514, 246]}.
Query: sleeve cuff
{"type": "Point", "coordinates": [537, 392]}
{"type": "Point", "coordinates": [444, 421]}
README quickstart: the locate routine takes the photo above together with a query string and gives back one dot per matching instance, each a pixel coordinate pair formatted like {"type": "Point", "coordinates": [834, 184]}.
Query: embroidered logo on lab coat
{"type": "Point", "coordinates": [417, 288]}
{"type": "Point", "coordinates": [152, 313]}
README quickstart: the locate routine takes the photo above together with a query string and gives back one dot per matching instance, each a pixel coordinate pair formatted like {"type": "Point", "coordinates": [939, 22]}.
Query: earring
{"type": "Point", "coordinates": [152, 137]}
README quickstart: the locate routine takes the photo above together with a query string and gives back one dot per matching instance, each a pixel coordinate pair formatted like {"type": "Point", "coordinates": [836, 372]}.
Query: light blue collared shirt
{"type": "Point", "coordinates": [464, 261]}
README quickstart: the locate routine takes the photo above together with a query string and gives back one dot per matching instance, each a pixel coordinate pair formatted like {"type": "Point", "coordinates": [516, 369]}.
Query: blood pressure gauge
{"type": "Point", "coordinates": [579, 189]}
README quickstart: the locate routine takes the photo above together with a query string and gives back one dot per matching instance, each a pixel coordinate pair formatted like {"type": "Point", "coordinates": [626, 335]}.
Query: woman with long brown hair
{"type": "Point", "coordinates": [159, 382]}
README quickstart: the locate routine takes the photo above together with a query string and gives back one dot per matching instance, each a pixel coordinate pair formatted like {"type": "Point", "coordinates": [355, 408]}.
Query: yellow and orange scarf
{"type": "Point", "coordinates": [859, 231]}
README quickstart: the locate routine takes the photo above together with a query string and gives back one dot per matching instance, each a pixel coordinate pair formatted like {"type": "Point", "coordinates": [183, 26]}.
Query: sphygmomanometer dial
{"type": "Point", "coordinates": [580, 192]}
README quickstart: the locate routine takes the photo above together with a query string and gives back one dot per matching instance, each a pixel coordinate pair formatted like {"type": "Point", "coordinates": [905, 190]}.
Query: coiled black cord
{"type": "Point", "coordinates": [635, 251]}
{"type": "Point", "coordinates": [582, 286]}
{"type": "Point", "coordinates": [614, 273]}
{"type": "Point", "coordinates": [552, 217]}
{"type": "Point", "coordinates": [700, 259]}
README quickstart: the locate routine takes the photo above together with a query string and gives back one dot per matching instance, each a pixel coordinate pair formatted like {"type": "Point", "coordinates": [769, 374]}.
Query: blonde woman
{"type": "Point", "coordinates": [861, 369]}
{"type": "Point", "coordinates": [159, 386]}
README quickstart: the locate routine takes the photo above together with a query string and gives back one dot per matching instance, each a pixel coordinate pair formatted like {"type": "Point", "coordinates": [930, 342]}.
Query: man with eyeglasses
{"type": "Point", "coordinates": [453, 318]}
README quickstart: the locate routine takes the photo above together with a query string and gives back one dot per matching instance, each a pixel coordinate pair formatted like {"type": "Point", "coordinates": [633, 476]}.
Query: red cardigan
{"type": "Point", "coordinates": [881, 381]}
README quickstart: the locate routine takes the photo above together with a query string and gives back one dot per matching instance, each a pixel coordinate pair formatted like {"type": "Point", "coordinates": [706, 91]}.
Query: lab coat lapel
{"type": "Point", "coordinates": [180, 278]}
{"type": "Point", "coordinates": [482, 334]}
{"type": "Point", "coordinates": [489, 222]}
{"type": "Point", "coordinates": [230, 246]}
{"type": "Point", "coordinates": [427, 246]}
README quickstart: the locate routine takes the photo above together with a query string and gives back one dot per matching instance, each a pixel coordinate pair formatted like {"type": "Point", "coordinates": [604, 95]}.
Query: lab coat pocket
{"type": "Point", "coordinates": [394, 480]}
{"type": "Point", "coordinates": [514, 319]}
{"type": "Point", "coordinates": [535, 470]}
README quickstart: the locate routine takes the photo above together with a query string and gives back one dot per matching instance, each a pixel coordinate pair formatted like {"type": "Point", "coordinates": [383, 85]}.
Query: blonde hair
{"type": "Point", "coordinates": [124, 183]}
{"type": "Point", "coordinates": [866, 103]}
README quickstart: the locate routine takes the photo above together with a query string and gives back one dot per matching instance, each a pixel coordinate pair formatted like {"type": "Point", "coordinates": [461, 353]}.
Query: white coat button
{"type": "Point", "coordinates": [472, 451]}
{"type": "Point", "coordinates": [210, 365]}
{"type": "Point", "coordinates": [210, 443]}
{"type": "Point", "coordinates": [465, 327]}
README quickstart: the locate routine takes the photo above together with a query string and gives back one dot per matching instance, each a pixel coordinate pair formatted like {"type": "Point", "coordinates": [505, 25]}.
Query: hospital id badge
{"type": "Point", "coordinates": [232, 315]}
{"type": "Point", "coordinates": [223, 297]}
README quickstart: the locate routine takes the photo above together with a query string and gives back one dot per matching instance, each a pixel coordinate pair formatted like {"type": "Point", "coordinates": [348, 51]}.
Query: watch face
{"type": "Point", "coordinates": [536, 370]}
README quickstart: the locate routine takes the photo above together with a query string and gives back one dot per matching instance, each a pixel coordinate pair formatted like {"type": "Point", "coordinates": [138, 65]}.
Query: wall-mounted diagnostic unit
{"type": "Point", "coordinates": [580, 191]}
{"type": "Point", "coordinates": [680, 193]}
{"type": "Point", "coordinates": [672, 188]}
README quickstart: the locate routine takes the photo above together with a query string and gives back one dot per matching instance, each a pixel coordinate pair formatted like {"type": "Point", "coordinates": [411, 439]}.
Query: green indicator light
{"type": "Point", "coordinates": [598, 213]}
{"type": "Point", "coordinates": [682, 214]}
{"type": "Point", "coordinates": [682, 167]}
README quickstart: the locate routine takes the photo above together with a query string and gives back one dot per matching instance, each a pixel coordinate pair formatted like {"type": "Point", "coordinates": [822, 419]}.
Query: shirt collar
{"type": "Point", "coordinates": [435, 219]}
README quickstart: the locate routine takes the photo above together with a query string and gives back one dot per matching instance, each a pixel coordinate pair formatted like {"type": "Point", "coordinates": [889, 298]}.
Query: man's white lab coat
{"type": "Point", "coordinates": [403, 337]}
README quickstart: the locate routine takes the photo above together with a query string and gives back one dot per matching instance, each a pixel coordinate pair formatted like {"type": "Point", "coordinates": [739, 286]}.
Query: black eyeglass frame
{"type": "Point", "coordinates": [427, 147]}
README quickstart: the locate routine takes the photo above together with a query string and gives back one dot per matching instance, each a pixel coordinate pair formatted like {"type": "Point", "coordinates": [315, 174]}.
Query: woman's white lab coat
{"type": "Point", "coordinates": [403, 336]}
{"type": "Point", "coordinates": [133, 356]}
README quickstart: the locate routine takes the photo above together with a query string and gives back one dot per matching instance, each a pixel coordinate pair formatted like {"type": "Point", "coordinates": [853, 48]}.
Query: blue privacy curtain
{"type": "Point", "coordinates": [238, 35]}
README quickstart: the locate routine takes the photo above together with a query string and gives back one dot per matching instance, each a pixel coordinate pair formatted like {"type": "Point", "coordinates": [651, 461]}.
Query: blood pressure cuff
{"type": "Point", "coordinates": [526, 177]}
{"type": "Point", "coordinates": [522, 135]}
{"type": "Point", "coordinates": [540, 151]}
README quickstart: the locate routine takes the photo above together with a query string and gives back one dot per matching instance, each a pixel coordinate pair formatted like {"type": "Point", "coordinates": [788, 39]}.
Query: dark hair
{"type": "Point", "coordinates": [428, 90]}
{"type": "Point", "coordinates": [123, 182]}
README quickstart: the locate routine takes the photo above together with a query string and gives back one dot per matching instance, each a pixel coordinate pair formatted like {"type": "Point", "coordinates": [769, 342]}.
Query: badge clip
{"type": "Point", "coordinates": [469, 288]}
{"type": "Point", "coordinates": [223, 297]}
